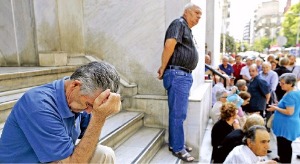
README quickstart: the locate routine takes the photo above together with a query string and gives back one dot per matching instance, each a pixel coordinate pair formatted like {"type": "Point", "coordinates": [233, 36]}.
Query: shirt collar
{"type": "Point", "coordinates": [185, 22]}
{"type": "Point", "coordinates": [63, 107]}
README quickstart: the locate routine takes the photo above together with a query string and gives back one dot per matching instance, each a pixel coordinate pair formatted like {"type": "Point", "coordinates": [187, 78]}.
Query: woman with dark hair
{"type": "Point", "coordinates": [235, 137]}
{"type": "Point", "coordinates": [224, 126]}
{"type": "Point", "coordinates": [283, 64]}
{"type": "Point", "coordinates": [286, 123]}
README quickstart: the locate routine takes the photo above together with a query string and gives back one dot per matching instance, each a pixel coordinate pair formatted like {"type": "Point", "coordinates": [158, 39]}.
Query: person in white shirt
{"type": "Point", "coordinates": [219, 86]}
{"type": "Point", "coordinates": [215, 112]}
{"type": "Point", "coordinates": [245, 70]}
{"type": "Point", "coordinates": [293, 67]}
{"type": "Point", "coordinates": [254, 150]}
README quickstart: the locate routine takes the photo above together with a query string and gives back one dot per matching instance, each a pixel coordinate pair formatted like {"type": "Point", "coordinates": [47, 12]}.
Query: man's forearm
{"type": "Point", "coordinates": [84, 151]}
{"type": "Point", "coordinates": [168, 51]}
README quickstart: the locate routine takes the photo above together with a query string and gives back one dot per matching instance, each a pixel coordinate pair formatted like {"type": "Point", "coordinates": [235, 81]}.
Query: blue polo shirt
{"type": "Point", "coordinates": [228, 70]}
{"type": "Point", "coordinates": [40, 127]}
{"type": "Point", "coordinates": [258, 88]}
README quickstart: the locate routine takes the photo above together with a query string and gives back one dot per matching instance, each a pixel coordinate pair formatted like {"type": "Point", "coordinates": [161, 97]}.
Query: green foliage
{"type": "Point", "coordinates": [229, 44]}
{"type": "Point", "coordinates": [242, 46]}
{"type": "Point", "coordinates": [291, 24]}
{"type": "Point", "coordinates": [262, 43]}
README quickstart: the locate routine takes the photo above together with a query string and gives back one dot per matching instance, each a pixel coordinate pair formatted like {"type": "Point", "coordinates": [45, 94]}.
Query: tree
{"type": "Point", "coordinates": [242, 46]}
{"type": "Point", "coordinates": [290, 24]}
{"type": "Point", "coordinates": [229, 44]}
{"type": "Point", "coordinates": [262, 43]}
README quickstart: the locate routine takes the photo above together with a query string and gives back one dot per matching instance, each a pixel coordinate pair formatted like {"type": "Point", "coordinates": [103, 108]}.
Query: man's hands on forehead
{"type": "Point", "coordinates": [106, 103]}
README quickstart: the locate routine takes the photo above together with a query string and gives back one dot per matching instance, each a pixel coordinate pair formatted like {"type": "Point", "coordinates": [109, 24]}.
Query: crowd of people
{"type": "Point", "coordinates": [253, 98]}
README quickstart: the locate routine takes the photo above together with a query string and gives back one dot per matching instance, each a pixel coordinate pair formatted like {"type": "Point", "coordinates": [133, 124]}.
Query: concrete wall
{"type": "Point", "coordinates": [17, 33]}
{"type": "Point", "coordinates": [128, 34]}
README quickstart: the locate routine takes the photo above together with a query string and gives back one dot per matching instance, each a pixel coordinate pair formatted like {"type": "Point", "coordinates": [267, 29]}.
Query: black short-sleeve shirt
{"type": "Point", "coordinates": [185, 53]}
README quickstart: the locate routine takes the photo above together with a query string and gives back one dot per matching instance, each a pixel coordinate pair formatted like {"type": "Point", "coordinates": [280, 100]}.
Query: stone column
{"type": "Point", "coordinates": [213, 29]}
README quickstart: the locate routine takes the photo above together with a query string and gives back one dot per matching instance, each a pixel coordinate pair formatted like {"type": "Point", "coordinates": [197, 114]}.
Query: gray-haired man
{"type": "Point", "coordinates": [46, 121]}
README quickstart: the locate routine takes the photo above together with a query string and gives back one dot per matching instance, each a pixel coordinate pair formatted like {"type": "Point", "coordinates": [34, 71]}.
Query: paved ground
{"type": "Point", "coordinates": [295, 145]}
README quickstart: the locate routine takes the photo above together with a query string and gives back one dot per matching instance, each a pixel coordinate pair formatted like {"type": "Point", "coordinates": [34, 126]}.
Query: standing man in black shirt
{"type": "Point", "coordinates": [179, 58]}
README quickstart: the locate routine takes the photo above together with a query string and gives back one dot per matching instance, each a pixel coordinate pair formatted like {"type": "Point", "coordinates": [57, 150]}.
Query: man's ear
{"type": "Point", "coordinates": [249, 142]}
{"type": "Point", "coordinates": [75, 83]}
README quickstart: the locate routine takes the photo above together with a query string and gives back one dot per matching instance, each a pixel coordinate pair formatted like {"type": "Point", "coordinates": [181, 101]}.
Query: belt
{"type": "Point", "coordinates": [179, 68]}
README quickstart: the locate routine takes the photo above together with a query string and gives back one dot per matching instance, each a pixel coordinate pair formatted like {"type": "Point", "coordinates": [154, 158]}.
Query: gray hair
{"type": "Point", "coordinates": [266, 63]}
{"type": "Point", "coordinates": [289, 78]}
{"type": "Point", "coordinates": [284, 61]}
{"type": "Point", "coordinates": [225, 58]}
{"type": "Point", "coordinates": [254, 66]}
{"type": "Point", "coordinates": [189, 6]}
{"type": "Point", "coordinates": [250, 133]}
{"type": "Point", "coordinates": [259, 59]}
{"type": "Point", "coordinates": [97, 75]}
{"type": "Point", "coordinates": [240, 83]}
{"type": "Point", "coordinates": [219, 94]}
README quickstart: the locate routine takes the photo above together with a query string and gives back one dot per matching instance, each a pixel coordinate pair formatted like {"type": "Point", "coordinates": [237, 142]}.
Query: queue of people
{"type": "Point", "coordinates": [272, 90]}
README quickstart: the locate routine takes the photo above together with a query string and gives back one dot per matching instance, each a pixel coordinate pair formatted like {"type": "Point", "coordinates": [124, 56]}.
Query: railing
{"type": "Point", "coordinates": [217, 73]}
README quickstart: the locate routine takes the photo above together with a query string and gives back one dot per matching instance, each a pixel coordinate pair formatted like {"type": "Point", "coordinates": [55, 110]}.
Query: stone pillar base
{"type": "Point", "coordinates": [53, 59]}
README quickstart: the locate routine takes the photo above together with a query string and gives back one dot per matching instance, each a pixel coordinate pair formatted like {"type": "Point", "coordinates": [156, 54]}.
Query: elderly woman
{"type": "Point", "coordinates": [286, 123]}
{"type": "Point", "coordinates": [224, 126]}
{"type": "Point", "coordinates": [235, 138]}
{"type": "Point", "coordinates": [216, 110]}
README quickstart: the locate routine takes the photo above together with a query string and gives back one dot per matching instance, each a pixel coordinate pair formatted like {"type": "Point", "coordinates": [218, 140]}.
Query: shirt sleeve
{"type": "Point", "coordinates": [288, 101]}
{"type": "Point", "coordinates": [242, 71]}
{"type": "Point", "coordinates": [175, 31]}
{"type": "Point", "coordinates": [264, 87]}
{"type": "Point", "coordinates": [274, 81]}
{"type": "Point", "coordinates": [46, 133]}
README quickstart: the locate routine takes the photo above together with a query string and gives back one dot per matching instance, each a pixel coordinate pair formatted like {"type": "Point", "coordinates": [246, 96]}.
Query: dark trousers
{"type": "Point", "coordinates": [284, 150]}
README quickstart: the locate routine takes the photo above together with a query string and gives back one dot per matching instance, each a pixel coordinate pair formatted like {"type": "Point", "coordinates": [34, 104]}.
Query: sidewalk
{"type": "Point", "coordinates": [295, 146]}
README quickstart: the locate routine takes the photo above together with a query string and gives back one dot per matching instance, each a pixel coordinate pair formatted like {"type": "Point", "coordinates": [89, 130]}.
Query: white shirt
{"type": "Point", "coordinates": [245, 72]}
{"type": "Point", "coordinates": [215, 111]}
{"type": "Point", "coordinates": [271, 78]}
{"type": "Point", "coordinates": [296, 70]}
{"type": "Point", "coordinates": [242, 154]}
{"type": "Point", "coordinates": [218, 87]}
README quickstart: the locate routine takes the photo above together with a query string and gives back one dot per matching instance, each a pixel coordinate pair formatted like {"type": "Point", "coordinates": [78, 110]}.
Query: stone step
{"type": "Point", "coordinates": [206, 148]}
{"type": "Point", "coordinates": [140, 147]}
{"type": "Point", "coordinates": [164, 156]}
{"type": "Point", "coordinates": [8, 100]}
{"type": "Point", "coordinates": [12, 78]}
{"type": "Point", "coordinates": [117, 128]}
{"type": "Point", "coordinates": [120, 127]}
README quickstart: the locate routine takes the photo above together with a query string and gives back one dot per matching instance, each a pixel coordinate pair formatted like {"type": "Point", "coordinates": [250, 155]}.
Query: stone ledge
{"type": "Point", "coordinates": [38, 71]}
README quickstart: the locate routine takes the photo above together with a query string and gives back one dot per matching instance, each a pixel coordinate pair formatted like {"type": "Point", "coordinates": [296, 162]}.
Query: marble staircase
{"type": "Point", "coordinates": [125, 132]}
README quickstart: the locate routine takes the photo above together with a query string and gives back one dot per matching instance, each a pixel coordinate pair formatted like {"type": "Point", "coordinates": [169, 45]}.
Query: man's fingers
{"type": "Point", "coordinates": [101, 98]}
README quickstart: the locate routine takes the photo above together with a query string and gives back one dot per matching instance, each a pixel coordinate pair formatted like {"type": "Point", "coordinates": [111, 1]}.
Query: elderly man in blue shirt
{"type": "Point", "coordinates": [271, 78]}
{"type": "Point", "coordinates": [259, 90]}
{"type": "Point", "coordinates": [225, 67]}
{"type": "Point", "coordinates": [45, 123]}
